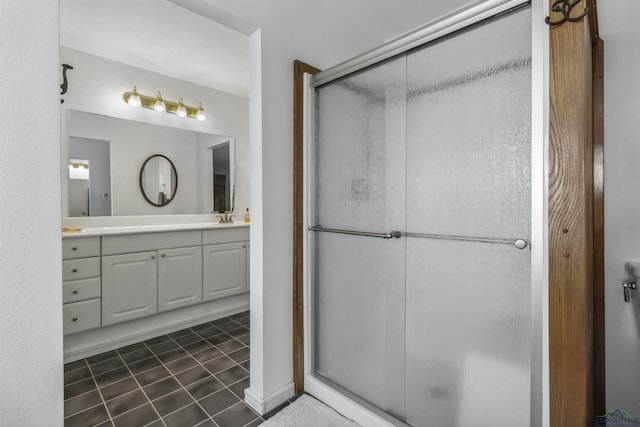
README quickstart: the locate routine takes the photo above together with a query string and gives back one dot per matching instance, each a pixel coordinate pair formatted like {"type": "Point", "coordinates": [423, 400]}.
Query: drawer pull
{"type": "Point", "coordinates": [75, 270]}
{"type": "Point", "coordinates": [74, 292]}
{"type": "Point", "coordinates": [75, 248]}
{"type": "Point", "coordinates": [75, 319]}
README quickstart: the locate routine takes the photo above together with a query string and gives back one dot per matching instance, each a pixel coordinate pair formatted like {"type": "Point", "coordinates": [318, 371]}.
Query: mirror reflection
{"type": "Point", "coordinates": [222, 200]}
{"type": "Point", "coordinates": [79, 187]}
{"type": "Point", "coordinates": [158, 180]}
{"type": "Point", "coordinates": [89, 187]}
{"type": "Point", "coordinates": [117, 148]}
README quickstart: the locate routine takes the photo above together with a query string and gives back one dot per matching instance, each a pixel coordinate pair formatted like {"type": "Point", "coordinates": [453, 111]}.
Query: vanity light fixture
{"type": "Point", "coordinates": [134, 98]}
{"type": "Point", "coordinates": [181, 111]}
{"type": "Point", "coordinates": [162, 105]}
{"type": "Point", "coordinates": [159, 105]}
{"type": "Point", "coordinates": [200, 115]}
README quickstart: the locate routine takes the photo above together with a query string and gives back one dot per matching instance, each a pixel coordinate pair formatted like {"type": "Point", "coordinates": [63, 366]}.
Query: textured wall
{"type": "Point", "coordinates": [30, 239]}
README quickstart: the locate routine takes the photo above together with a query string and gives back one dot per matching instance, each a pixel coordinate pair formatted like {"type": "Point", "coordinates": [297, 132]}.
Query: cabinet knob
{"type": "Point", "coordinates": [163, 255]}
{"type": "Point", "coordinates": [75, 319]}
{"type": "Point", "coordinates": [153, 257]}
{"type": "Point", "coordinates": [74, 248]}
{"type": "Point", "coordinates": [75, 270]}
{"type": "Point", "coordinates": [74, 292]}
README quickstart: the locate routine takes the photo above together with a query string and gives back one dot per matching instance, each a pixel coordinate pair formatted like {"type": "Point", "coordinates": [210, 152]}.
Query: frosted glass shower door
{"type": "Point", "coordinates": [419, 208]}
{"type": "Point", "coordinates": [468, 201]}
{"type": "Point", "coordinates": [358, 284]}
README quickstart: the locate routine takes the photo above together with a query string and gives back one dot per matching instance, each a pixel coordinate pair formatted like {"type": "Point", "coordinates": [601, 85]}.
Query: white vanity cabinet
{"type": "Point", "coordinates": [81, 284]}
{"type": "Point", "coordinates": [225, 263]}
{"type": "Point", "coordinates": [129, 286]}
{"type": "Point", "coordinates": [179, 277]}
{"type": "Point", "coordinates": [119, 277]}
{"type": "Point", "coordinates": [225, 270]}
{"type": "Point", "coordinates": [162, 277]}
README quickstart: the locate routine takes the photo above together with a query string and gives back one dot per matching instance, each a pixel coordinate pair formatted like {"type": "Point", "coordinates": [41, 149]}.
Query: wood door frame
{"type": "Point", "coordinates": [598, 230]}
{"type": "Point", "coordinates": [576, 220]}
{"type": "Point", "coordinates": [299, 69]}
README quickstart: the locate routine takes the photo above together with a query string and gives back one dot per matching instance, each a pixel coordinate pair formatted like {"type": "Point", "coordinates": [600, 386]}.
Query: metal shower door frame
{"type": "Point", "coordinates": [539, 338]}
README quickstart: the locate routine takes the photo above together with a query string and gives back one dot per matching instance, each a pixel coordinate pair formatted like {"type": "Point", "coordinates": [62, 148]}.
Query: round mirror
{"type": "Point", "coordinates": [158, 180]}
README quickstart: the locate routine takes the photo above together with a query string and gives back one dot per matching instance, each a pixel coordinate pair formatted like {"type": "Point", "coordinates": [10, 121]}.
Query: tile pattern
{"type": "Point", "coordinates": [193, 377]}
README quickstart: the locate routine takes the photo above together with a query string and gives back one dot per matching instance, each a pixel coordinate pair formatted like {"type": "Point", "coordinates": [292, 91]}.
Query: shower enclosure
{"type": "Point", "coordinates": [421, 185]}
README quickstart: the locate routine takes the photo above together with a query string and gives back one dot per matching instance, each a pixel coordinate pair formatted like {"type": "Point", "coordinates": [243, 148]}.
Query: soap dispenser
{"type": "Point", "coordinates": [247, 219]}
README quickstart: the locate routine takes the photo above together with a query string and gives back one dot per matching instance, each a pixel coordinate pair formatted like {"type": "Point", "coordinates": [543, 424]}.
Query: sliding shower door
{"type": "Point", "coordinates": [419, 215]}
{"type": "Point", "coordinates": [360, 186]}
{"type": "Point", "coordinates": [468, 202]}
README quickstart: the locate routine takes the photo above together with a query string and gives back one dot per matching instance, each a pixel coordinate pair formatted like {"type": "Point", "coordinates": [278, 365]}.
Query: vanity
{"type": "Point", "coordinates": [124, 283]}
{"type": "Point", "coordinates": [144, 254]}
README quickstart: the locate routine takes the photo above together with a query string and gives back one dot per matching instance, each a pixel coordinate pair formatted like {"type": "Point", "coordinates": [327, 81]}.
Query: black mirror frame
{"type": "Point", "coordinates": [175, 172]}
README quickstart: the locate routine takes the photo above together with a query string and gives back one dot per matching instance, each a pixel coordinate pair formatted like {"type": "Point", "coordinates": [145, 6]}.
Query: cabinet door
{"type": "Point", "coordinates": [224, 270]}
{"type": "Point", "coordinates": [129, 286]}
{"type": "Point", "coordinates": [179, 277]}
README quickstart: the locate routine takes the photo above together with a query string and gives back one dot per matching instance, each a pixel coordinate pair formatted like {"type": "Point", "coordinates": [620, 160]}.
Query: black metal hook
{"type": "Point", "coordinates": [565, 7]}
{"type": "Point", "coordinates": [65, 83]}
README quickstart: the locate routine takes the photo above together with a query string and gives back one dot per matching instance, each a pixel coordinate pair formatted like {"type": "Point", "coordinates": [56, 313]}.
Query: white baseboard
{"type": "Point", "coordinates": [266, 404]}
{"type": "Point", "coordinates": [89, 343]}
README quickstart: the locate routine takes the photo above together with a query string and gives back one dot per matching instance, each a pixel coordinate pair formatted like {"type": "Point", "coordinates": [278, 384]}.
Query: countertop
{"type": "Point", "coordinates": [136, 229]}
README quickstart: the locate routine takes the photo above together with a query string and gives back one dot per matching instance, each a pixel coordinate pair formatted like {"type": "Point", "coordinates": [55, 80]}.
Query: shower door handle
{"type": "Point", "coordinates": [394, 234]}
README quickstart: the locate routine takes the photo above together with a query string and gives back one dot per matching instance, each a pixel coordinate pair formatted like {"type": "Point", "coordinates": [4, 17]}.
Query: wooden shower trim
{"type": "Point", "coordinates": [598, 229]}
{"type": "Point", "coordinates": [299, 68]}
{"type": "Point", "coordinates": [576, 212]}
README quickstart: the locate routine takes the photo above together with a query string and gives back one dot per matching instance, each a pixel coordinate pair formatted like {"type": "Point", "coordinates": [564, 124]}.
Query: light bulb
{"type": "Point", "coordinates": [200, 115]}
{"type": "Point", "coordinates": [134, 99]}
{"type": "Point", "coordinates": [181, 111]}
{"type": "Point", "coordinates": [159, 105]}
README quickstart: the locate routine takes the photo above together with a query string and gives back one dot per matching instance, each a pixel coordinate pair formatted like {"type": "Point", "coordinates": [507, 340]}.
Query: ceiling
{"type": "Point", "coordinates": [159, 36]}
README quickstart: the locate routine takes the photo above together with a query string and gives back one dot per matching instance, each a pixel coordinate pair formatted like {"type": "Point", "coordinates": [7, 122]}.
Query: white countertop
{"type": "Point", "coordinates": [153, 228]}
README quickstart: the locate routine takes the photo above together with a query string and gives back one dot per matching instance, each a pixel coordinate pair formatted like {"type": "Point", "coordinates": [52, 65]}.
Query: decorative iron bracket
{"type": "Point", "coordinates": [565, 7]}
{"type": "Point", "coordinates": [65, 83]}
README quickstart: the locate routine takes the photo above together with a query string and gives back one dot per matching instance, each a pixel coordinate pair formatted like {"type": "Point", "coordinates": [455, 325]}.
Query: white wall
{"type": "Point", "coordinates": [96, 85]}
{"type": "Point", "coordinates": [30, 240]}
{"type": "Point", "coordinates": [619, 30]}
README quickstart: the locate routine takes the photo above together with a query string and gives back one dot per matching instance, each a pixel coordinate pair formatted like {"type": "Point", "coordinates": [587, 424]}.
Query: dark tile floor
{"type": "Point", "coordinates": [193, 377]}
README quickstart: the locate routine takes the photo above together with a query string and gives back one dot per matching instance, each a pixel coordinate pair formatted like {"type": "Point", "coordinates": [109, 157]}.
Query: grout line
{"type": "Point", "coordinates": [128, 410]}
{"type": "Point", "coordinates": [225, 387]}
{"type": "Point", "coordinates": [254, 420]}
{"type": "Point", "coordinates": [104, 403]}
{"type": "Point", "coordinates": [183, 388]}
{"type": "Point", "coordinates": [143, 392]}
{"type": "Point", "coordinates": [84, 409]}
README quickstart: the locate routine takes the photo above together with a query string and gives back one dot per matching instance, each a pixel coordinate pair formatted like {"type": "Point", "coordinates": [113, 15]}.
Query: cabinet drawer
{"type": "Point", "coordinates": [80, 316]}
{"type": "Point", "coordinates": [84, 268]}
{"type": "Point", "coordinates": [80, 290]}
{"type": "Point", "coordinates": [225, 235]}
{"type": "Point", "coordinates": [80, 247]}
{"type": "Point", "coordinates": [125, 244]}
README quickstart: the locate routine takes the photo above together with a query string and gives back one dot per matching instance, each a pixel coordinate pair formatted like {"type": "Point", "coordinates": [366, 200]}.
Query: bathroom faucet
{"type": "Point", "coordinates": [227, 217]}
